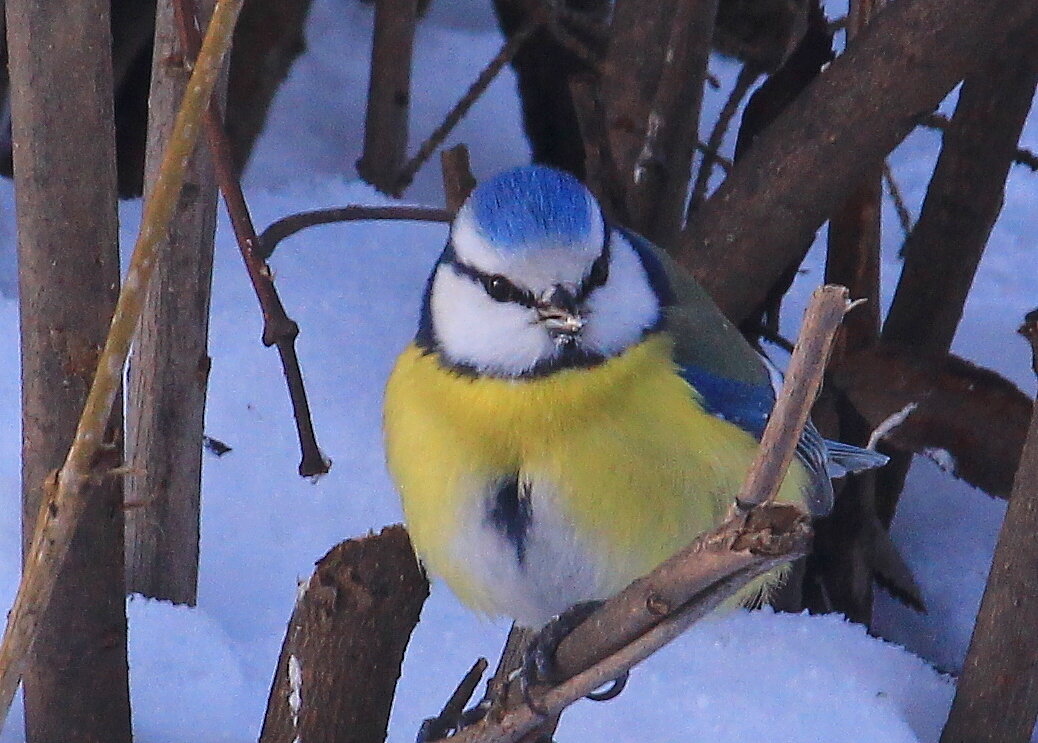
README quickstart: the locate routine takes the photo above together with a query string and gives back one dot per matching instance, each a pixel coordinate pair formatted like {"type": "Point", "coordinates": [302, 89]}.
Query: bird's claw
{"type": "Point", "coordinates": [539, 665]}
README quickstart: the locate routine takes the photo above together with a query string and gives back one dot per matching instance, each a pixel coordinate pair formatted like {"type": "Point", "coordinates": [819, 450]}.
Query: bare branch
{"type": "Point", "coordinates": [278, 328]}
{"type": "Point", "coordinates": [290, 225]}
{"type": "Point", "coordinates": [748, 75]}
{"type": "Point", "coordinates": [1022, 156]}
{"type": "Point", "coordinates": [458, 180]}
{"type": "Point", "coordinates": [964, 198]}
{"type": "Point", "coordinates": [805, 163]}
{"type": "Point", "coordinates": [996, 699]}
{"type": "Point", "coordinates": [903, 215]}
{"type": "Point", "coordinates": [793, 408]}
{"type": "Point", "coordinates": [169, 366]}
{"type": "Point", "coordinates": [482, 82]}
{"type": "Point", "coordinates": [969, 418]}
{"type": "Point", "coordinates": [389, 94]}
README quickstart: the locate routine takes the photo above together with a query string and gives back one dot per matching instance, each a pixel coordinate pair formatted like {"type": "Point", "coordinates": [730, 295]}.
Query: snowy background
{"type": "Point", "coordinates": [203, 674]}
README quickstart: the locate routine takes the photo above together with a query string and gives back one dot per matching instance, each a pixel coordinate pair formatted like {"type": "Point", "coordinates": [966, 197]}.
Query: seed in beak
{"type": "Point", "coordinates": [560, 314]}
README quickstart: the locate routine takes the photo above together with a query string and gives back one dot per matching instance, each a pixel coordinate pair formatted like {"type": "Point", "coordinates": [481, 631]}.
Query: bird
{"type": "Point", "coordinates": [573, 409]}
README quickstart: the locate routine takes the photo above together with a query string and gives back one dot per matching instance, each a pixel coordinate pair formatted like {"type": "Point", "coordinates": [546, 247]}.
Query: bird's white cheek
{"type": "Point", "coordinates": [621, 310]}
{"type": "Point", "coordinates": [473, 329]}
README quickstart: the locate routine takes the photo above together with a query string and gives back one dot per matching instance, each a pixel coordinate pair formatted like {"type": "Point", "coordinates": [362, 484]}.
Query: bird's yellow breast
{"type": "Point", "coordinates": [638, 466]}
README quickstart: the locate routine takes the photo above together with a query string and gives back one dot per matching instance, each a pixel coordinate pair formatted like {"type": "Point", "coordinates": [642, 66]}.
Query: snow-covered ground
{"type": "Point", "coordinates": [203, 674]}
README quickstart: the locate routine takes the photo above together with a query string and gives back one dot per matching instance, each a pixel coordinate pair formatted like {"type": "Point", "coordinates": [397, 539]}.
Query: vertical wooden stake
{"type": "Point", "coordinates": [65, 194]}
{"type": "Point", "coordinates": [341, 657]}
{"type": "Point", "coordinates": [389, 94]}
{"type": "Point", "coordinates": [997, 697]}
{"type": "Point", "coordinates": [169, 367]}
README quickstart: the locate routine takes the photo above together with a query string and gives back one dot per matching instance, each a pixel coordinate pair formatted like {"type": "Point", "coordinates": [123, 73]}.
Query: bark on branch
{"type": "Point", "coordinates": [911, 55]}
{"type": "Point", "coordinates": [997, 696]}
{"type": "Point", "coordinates": [341, 657]}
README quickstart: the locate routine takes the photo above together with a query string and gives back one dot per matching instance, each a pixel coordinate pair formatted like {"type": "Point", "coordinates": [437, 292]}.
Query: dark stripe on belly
{"type": "Point", "coordinates": [509, 512]}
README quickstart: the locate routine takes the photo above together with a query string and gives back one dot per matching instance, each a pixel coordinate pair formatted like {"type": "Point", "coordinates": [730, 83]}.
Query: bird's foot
{"type": "Point", "coordinates": [539, 665]}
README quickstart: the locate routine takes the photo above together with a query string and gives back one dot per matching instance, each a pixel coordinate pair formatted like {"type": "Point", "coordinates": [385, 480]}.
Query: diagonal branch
{"type": "Point", "coordinates": [790, 181]}
{"type": "Point", "coordinates": [278, 328]}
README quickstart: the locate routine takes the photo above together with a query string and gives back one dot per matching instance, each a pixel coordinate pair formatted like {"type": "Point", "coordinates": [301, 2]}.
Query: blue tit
{"type": "Point", "coordinates": [574, 409]}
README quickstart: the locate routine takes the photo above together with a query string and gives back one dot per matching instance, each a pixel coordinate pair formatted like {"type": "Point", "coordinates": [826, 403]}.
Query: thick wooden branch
{"type": "Point", "coordinates": [964, 197]}
{"type": "Point", "coordinates": [969, 420]}
{"type": "Point", "coordinates": [68, 270]}
{"type": "Point", "coordinates": [658, 185]}
{"type": "Point", "coordinates": [997, 696]}
{"type": "Point", "coordinates": [169, 368]}
{"type": "Point", "coordinates": [64, 503]}
{"type": "Point", "coordinates": [912, 54]}
{"type": "Point", "coordinates": [341, 656]}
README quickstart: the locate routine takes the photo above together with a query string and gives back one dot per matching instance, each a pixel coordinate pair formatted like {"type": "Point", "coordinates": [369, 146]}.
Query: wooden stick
{"type": "Point", "coordinates": [389, 94]}
{"type": "Point", "coordinates": [803, 380]}
{"type": "Point", "coordinates": [997, 696]}
{"type": "Point", "coordinates": [458, 180]}
{"type": "Point", "coordinates": [63, 504]}
{"type": "Point", "coordinates": [169, 367]}
{"type": "Point", "coordinates": [278, 328]}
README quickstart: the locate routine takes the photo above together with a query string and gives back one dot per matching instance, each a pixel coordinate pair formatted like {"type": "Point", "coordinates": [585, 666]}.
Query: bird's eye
{"type": "Point", "coordinates": [501, 289]}
{"type": "Point", "coordinates": [599, 273]}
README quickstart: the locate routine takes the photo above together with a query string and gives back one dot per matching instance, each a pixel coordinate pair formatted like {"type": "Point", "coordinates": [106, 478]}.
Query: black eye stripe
{"type": "Point", "coordinates": [497, 287]}
{"type": "Point", "coordinates": [599, 272]}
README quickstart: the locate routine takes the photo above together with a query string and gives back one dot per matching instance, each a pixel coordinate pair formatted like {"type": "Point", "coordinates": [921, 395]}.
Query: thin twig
{"type": "Point", "coordinates": [648, 614]}
{"type": "Point", "coordinates": [747, 77]}
{"type": "Point", "coordinates": [715, 157]}
{"type": "Point", "coordinates": [655, 609]}
{"type": "Point", "coordinates": [293, 223]}
{"type": "Point", "coordinates": [903, 215]}
{"type": "Point", "coordinates": [482, 82]}
{"type": "Point", "coordinates": [942, 123]}
{"type": "Point", "coordinates": [63, 502]}
{"type": "Point", "coordinates": [278, 328]}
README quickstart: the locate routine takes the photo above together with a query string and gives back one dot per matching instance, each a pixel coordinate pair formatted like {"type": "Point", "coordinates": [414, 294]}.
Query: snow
{"type": "Point", "coordinates": [204, 673]}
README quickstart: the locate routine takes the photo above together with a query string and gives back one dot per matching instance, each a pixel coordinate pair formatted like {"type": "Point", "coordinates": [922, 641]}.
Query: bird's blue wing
{"type": "Point", "coordinates": [748, 406]}
{"type": "Point", "coordinates": [743, 404]}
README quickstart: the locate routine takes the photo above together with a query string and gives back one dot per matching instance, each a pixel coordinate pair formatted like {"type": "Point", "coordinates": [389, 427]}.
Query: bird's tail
{"type": "Point", "coordinates": [845, 459]}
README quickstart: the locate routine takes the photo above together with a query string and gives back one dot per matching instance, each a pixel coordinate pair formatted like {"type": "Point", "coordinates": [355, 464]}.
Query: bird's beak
{"type": "Point", "coordinates": [560, 314]}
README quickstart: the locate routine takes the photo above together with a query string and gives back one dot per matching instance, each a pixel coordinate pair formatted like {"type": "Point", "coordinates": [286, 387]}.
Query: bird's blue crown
{"type": "Point", "coordinates": [530, 205]}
